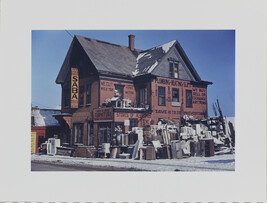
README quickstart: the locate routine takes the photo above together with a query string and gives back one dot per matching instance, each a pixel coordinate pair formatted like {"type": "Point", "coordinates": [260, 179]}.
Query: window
{"type": "Point", "coordinates": [88, 94]}
{"type": "Point", "coordinates": [133, 123]}
{"type": "Point", "coordinates": [67, 98]}
{"type": "Point", "coordinates": [174, 69]}
{"type": "Point", "coordinates": [143, 97]}
{"type": "Point", "coordinates": [104, 133]}
{"type": "Point", "coordinates": [188, 98]}
{"type": "Point", "coordinates": [90, 133]}
{"type": "Point", "coordinates": [171, 69]}
{"type": "Point", "coordinates": [119, 90]}
{"type": "Point", "coordinates": [175, 95]}
{"type": "Point", "coordinates": [161, 96]}
{"type": "Point", "coordinates": [81, 97]}
{"type": "Point", "coordinates": [78, 133]}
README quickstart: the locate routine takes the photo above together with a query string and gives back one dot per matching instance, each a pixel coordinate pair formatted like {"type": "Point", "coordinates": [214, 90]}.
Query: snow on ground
{"type": "Point", "coordinates": [216, 163]}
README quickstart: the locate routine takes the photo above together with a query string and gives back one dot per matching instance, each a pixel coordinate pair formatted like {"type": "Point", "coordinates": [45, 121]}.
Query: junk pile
{"type": "Point", "coordinates": [195, 137]}
{"type": "Point", "coordinates": [167, 140]}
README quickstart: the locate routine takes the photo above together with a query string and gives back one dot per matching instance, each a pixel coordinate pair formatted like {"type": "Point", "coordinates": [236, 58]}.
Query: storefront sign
{"type": "Point", "coordinates": [33, 142]}
{"type": "Point", "coordinates": [74, 87]}
{"type": "Point", "coordinates": [103, 115]}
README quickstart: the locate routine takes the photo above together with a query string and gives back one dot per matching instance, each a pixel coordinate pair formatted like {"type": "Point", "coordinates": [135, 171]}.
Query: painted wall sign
{"type": "Point", "coordinates": [74, 87]}
{"type": "Point", "coordinates": [103, 115]}
{"type": "Point", "coordinates": [131, 115]}
{"type": "Point", "coordinates": [171, 82]}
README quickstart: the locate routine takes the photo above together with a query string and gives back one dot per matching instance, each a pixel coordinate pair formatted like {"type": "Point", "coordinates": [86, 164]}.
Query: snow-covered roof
{"type": "Point", "coordinates": [113, 59]}
{"type": "Point", "coordinates": [44, 117]}
{"type": "Point", "coordinates": [148, 60]}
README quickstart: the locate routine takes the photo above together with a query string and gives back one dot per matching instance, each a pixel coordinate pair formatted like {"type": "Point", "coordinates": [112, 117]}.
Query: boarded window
{"type": "Point", "coordinates": [188, 98]}
{"type": "Point", "coordinates": [175, 95]}
{"type": "Point", "coordinates": [88, 94]}
{"type": "Point", "coordinates": [78, 133]}
{"type": "Point", "coordinates": [161, 96]}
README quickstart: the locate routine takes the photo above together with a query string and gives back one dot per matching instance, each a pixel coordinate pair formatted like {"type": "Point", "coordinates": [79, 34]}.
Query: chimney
{"type": "Point", "coordinates": [131, 42]}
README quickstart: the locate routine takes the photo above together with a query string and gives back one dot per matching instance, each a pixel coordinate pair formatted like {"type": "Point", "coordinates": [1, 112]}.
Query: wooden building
{"type": "Point", "coordinates": [106, 85]}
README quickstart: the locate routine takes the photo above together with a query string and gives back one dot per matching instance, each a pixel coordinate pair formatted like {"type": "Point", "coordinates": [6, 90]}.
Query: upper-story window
{"type": "Point", "coordinates": [188, 98]}
{"type": "Point", "coordinates": [174, 69]}
{"type": "Point", "coordinates": [81, 97]}
{"type": "Point", "coordinates": [143, 96]}
{"type": "Point", "coordinates": [119, 91]}
{"type": "Point", "coordinates": [161, 96]}
{"type": "Point", "coordinates": [67, 98]}
{"type": "Point", "coordinates": [88, 94]}
{"type": "Point", "coordinates": [175, 95]}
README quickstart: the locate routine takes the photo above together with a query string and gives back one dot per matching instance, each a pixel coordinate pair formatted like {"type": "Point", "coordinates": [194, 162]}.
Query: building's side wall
{"type": "Point", "coordinates": [84, 113]}
{"type": "Point", "coordinates": [199, 99]}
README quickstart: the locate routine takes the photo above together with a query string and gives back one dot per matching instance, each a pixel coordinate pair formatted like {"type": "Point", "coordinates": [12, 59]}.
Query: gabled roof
{"type": "Point", "coordinates": [106, 57]}
{"type": "Point", "coordinates": [116, 59]}
{"type": "Point", "coordinates": [109, 57]}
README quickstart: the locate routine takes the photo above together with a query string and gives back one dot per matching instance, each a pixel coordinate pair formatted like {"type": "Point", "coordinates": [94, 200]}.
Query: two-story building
{"type": "Point", "coordinates": [106, 86]}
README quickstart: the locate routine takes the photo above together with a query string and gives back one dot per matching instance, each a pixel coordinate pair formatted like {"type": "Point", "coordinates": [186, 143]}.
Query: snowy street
{"type": "Point", "coordinates": [216, 163]}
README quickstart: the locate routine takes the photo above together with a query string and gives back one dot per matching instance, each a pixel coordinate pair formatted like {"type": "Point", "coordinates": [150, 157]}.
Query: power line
{"type": "Point", "coordinates": [41, 105]}
{"type": "Point", "coordinates": [69, 33]}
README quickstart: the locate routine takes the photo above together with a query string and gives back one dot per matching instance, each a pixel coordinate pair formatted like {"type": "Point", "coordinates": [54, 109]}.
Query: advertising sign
{"type": "Point", "coordinates": [103, 115]}
{"type": "Point", "coordinates": [33, 142]}
{"type": "Point", "coordinates": [74, 87]}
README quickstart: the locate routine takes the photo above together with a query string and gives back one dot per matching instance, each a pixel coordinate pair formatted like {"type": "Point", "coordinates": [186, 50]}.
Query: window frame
{"type": "Point", "coordinates": [67, 100]}
{"type": "Point", "coordinates": [143, 96]}
{"type": "Point", "coordinates": [88, 96]}
{"type": "Point", "coordinates": [189, 103]}
{"type": "Point", "coordinates": [120, 86]}
{"type": "Point", "coordinates": [133, 121]}
{"type": "Point", "coordinates": [90, 133]}
{"type": "Point", "coordinates": [81, 96]}
{"type": "Point", "coordinates": [175, 89]}
{"type": "Point", "coordinates": [160, 96]}
{"type": "Point", "coordinates": [174, 65]}
{"type": "Point", "coordinates": [78, 133]}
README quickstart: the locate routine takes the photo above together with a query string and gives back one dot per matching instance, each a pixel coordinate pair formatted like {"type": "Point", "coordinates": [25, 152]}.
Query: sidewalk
{"type": "Point", "coordinates": [216, 163]}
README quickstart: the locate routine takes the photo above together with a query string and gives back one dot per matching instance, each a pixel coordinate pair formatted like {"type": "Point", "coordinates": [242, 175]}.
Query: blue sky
{"type": "Point", "coordinates": [212, 53]}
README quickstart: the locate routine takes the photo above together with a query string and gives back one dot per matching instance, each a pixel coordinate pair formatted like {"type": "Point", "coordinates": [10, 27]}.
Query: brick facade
{"type": "Point", "coordinates": [164, 92]}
